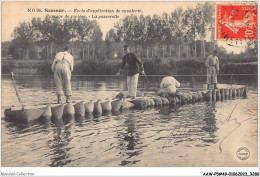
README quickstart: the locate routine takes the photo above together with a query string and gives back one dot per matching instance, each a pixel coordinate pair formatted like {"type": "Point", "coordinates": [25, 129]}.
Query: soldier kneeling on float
{"type": "Point", "coordinates": [168, 86]}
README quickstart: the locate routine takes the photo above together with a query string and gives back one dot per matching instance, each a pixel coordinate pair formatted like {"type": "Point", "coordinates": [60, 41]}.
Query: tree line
{"type": "Point", "coordinates": [182, 33]}
{"type": "Point", "coordinates": [168, 34]}
{"type": "Point", "coordinates": [46, 37]}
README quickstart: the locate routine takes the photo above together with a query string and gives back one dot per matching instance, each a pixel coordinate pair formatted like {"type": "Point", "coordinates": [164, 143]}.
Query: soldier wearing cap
{"type": "Point", "coordinates": [212, 65]}
{"type": "Point", "coordinates": [134, 67]}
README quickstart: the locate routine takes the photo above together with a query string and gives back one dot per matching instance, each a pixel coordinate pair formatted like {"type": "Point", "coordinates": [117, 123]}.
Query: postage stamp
{"type": "Point", "coordinates": [236, 21]}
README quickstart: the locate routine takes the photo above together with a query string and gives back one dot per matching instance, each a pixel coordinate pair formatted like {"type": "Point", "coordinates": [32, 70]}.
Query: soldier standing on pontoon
{"type": "Point", "coordinates": [134, 67]}
{"type": "Point", "coordinates": [62, 67]}
{"type": "Point", "coordinates": [212, 65]}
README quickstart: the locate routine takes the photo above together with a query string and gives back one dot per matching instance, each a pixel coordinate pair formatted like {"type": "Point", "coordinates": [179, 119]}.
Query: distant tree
{"type": "Point", "coordinates": [110, 38]}
{"type": "Point", "coordinates": [209, 17]}
{"type": "Point", "coordinates": [50, 27]}
{"type": "Point", "coordinates": [176, 26]}
{"type": "Point", "coordinates": [96, 39]}
{"type": "Point", "coordinates": [189, 35]}
{"type": "Point", "coordinates": [5, 51]}
{"type": "Point", "coordinates": [84, 31]}
{"type": "Point", "coordinates": [25, 35]}
{"type": "Point", "coordinates": [252, 48]}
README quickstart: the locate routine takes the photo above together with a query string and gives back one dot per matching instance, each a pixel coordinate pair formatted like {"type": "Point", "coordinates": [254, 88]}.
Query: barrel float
{"type": "Point", "coordinates": [80, 109]}
{"type": "Point", "coordinates": [15, 115]}
{"type": "Point", "coordinates": [189, 97]}
{"type": "Point", "coordinates": [242, 91]}
{"type": "Point", "coordinates": [46, 113]}
{"type": "Point", "coordinates": [139, 103]}
{"type": "Point", "coordinates": [31, 114]}
{"type": "Point", "coordinates": [89, 107]}
{"type": "Point", "coordinates": [234, 93]}
{"type": "Point", "coordinates": [139, 94]}
{"type": "Point", "coordinates": [68, 111]}
{"type": "Point", "coordinates": [205, 95]}
{"type": "Point", "coordinates": [57, 111]}
{"type": "Point", "coordinates": [222, 92]}
{"type": "Point", "coordinates": [183, 98]}
{"type": "Point", "coordinates": [178, 101]}
{"type": "Point", "coordinates": [145, 103]}
{"type": "Point", "coordinates": [106, 113]}
{"type": "Point", "coordinates": [164, 95]}
{"type": "Point", "coordinates": [239, 92]}
{"type": "Point", "coordinates": [195, 97]}
{"type": "Point", "coordinates": [214, 95]}
{"type": "Point", "coordinates": [97, 108]}
{"type": "Point", "coordinates": [157, 101]}
{"type": "Point", "coordinates": [148, 102]}
{"type": "Point", "coordinates": [58, 122]}
{"type": "Point", "coordinates": [126, 104]}
{"type": "Point", "coordinates": [208, 95]}
{"type": "Point", "coordinates": [7, 112]}
{"type": "Point", "coordinates": [172, 100]}
{"type": "Point", "coordinates": [106, 106]}
{"type": "Point", "coordinates": [165, 101]}
{"type": "Point", "coordinates": [121, 96]}
{"type": "Point", "coordinates": [245, 92]}
{"type": "Point", "coordinates": [218, 96]}
{"type": "Point", "coordinates": [116, 105]}
{"type": "Point", "coordinates": [151, 102]}
{"type": "Point", "coordinates": [89, 116]}
{"type": "Point", "coordinates": [226, 94]}
{"type": "Point", "coordinates": [201, 97]}
{"type": "Point", "coordinates": [230, 94]}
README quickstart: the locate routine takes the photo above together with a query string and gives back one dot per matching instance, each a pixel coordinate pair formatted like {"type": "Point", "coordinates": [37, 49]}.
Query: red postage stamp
{"type": "Point", "coordinates": [236, 21]}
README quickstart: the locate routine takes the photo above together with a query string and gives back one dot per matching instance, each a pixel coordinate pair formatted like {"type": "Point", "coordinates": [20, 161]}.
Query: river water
{"type": "Point", "coordinates": [200, 134]}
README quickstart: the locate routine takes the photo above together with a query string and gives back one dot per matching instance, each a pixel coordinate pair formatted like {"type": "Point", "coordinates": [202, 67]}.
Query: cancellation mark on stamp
{"type": "Point", "coordinates": [236, 22]}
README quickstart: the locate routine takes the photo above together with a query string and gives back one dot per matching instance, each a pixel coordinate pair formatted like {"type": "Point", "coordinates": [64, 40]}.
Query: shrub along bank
{"type": "Point", "coordinates": [152, 67]}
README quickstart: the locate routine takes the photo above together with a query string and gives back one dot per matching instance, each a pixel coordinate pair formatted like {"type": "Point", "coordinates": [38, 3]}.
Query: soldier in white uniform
{"type": "Point", "coordinates": [212, 65]}
{"type": "Point", "coordinates": [62, 67]}
{"type": "Point", "coordinates": [168, 85]}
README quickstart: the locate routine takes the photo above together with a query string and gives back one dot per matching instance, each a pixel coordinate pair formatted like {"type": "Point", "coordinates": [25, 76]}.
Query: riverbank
{"type": "Point", "coordinates": [152, 66]}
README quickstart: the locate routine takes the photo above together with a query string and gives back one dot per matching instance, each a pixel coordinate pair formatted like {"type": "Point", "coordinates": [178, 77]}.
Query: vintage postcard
{"type": "Point", "coordinates": [129, 84]}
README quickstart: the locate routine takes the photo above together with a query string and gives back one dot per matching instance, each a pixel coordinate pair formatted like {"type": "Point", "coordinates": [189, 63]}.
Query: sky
{"type": "Point", "coordinates": [14, 13]}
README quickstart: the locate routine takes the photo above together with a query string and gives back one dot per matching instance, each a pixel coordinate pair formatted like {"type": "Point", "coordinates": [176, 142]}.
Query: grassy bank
{"type": "Point", "coordinates": [152, 67]}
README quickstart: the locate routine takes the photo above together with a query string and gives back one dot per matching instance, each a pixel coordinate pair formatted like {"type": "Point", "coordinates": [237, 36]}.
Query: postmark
{"type": "Point", "coordinates": [243, 153]}
{"type": "Point", "coordinates": [236, 22]}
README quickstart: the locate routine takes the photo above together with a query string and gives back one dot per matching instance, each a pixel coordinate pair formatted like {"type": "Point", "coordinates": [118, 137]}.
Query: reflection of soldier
{"type": "Point", "coordinates": [129, 137]}
{"type": "Point", "coordinates": [130, 140]}
{"type": "Point", "coordinates": [212, 65]}
{"type": "Point", "coordinates": [62, 139]}
{"type": "Point", "coordinates": [210, 119]}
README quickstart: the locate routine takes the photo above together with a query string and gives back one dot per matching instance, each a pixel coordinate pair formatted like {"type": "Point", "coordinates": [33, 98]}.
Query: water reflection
{"type": "Point", "coordinates": [59, 150]}
{"type": "Point", "coordinates": [128, 138]}
{"type": "Point", "coordinates": [130, 141]}
{"type": "Point", "coordinates": [210, 118]}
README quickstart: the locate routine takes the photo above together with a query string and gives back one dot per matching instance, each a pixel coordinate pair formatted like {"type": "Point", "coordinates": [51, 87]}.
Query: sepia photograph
{"type": "Point", "coordinates": [129, 84]}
